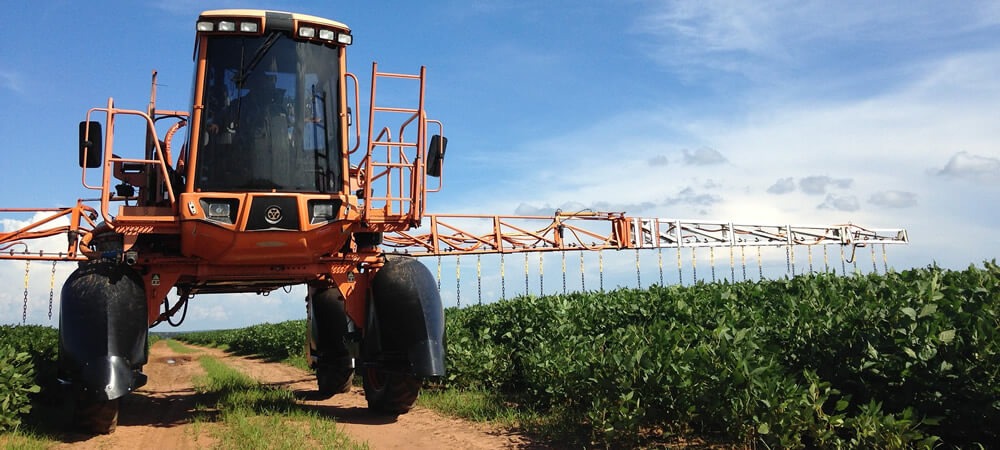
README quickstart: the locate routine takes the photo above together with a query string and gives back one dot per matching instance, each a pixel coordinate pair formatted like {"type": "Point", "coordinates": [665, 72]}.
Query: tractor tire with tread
{"type": "Point", "coordinates": [390, 392]}
{"type": "Point", "coordinates": [334, 380]}
{"type": "Point", "coordinates": [97, 416]}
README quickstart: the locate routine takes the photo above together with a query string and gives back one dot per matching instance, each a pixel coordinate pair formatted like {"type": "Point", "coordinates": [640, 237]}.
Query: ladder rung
{"type": "Point", "coordinates": [397, 75]}
{"type": "Point", "coordinates": [393, 144]}
{"type": "Point", "coordinates": [390, 109]}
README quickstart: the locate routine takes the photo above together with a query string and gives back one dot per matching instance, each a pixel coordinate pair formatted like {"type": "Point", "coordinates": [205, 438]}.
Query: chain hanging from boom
{"type": "Point", "coordinates": [760, 266]}
{"type": "Point", "coordinates": [525, 274]}
{"type": "Point", "coordinates": [711, 260]}
{"type": "Point", "coordinates": [680, 274]}
{"type": "Point", "coordinates": [638, 276]}
{"type": "Point", "coordinates": [503, 279]}
{"type": "Point", "coordinates": [600, 263]}
{"type": "Point", "coordinates": [694, 265]}
{"type": "Point", "coordinates": [564, 272]}
{"type": "Point", "coordinates": [52, 288]}
{"type": "Point", "coordinates": [659, 263]}
{"type": "Point", "coordinates": [27, 275]}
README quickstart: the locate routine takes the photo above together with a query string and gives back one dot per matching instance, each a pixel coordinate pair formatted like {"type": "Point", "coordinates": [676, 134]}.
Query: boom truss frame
{"type": "Point", "coordinates": [484, 234]}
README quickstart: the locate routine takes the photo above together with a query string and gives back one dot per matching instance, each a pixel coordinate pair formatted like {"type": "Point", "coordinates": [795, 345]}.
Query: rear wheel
{"type": "Point", "coordinates": [390, 392]}
{"type": "Point", "coordinates": [334, 380]}
{"type": "Point", "coordinates": [97, 416]}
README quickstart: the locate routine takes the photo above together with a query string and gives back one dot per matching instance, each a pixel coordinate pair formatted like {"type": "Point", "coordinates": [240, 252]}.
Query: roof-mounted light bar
{"type": "Point", "coordinates": [234, 26]}
{"type": "Point", "coordinates": [305, 30]}
{"type": "Point", "coordinates": [317, 32]}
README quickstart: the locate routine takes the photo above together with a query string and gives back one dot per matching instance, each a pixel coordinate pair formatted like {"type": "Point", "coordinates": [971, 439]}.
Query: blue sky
{"type": "Point", "coordinates": [881, 114]}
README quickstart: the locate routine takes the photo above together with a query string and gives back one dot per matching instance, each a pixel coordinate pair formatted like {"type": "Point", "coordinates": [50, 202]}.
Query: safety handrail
{"type": "Point", "coordinates": [109, 158]}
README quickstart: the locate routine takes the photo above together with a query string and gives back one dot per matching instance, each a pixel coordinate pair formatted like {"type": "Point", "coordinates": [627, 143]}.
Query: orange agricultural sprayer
{"type": "Point", "coordinates": [274, 186]}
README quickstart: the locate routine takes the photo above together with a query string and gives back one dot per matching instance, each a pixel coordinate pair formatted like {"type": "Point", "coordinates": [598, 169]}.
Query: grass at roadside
{"type": "Point", "coordinates": [178, 347]}
{"type": "Point", "coordinates": [259, 416]}
{"type": "Point", "coordinates": [477, 406]}
{"type": "Point", "coordinates": [23, 440]}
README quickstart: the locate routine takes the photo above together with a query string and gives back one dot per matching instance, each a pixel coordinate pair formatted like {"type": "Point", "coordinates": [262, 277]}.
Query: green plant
{"type": "Point", "coordinates": [817, 360]}
{"type": "Point", "coordinates": [17, 381]}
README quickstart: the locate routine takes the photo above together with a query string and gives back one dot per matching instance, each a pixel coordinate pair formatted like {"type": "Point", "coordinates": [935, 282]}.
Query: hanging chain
{"type": "Point", "coordinates": [843, 262]}
{"type": "Point", "coordinates": [600, 264]}
{"type": "Point", "coordinates": [479, 279]}
{"type": "Point", "coordinates": [885, 260]}
{"type": "Point", "coordinates": [788, 260]}
{"type": "Point", "coordinates": [439, 273]}
{"type": "Point", "coordinates": [826, 262]}
{"type": "Point", "coordinates": [52, 288]}
{"type": "Point", "coordinates": [743, 260]}
{"type": "Point", "coordinates": [24, 312]}
{"type": "Point", "coordinates": [659, 262]}
{"type": "Point", "coordinates": [564, 272]}
{"type": "Point", "coordinates": [680, 274]}
{"type": "Point", "coordinates": [711, 260]}
{"type": "Point", "coordinates": [525, 274]}
{"type": "Point", "coordinates": [760, 266]}
{"type": "Point", "coordinates": [810, 258]}
{"type": "Point", "coordinates": [503, 280]}
{"type": "Point", "coordinates": [638, 277]}
{"type": "Point", "coordinates": [694, 265]}
{"type": "Point", "coordinates": [583, 280]}
{"type": "Point", "coordinates": [458, 280]}
{"type": "Point", "coordinates": [874, 266]}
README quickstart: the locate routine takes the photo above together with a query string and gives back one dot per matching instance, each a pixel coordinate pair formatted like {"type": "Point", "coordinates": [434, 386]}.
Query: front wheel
{"type": "Point", "coordinates": [97, 416]}
{"type": "Point", "coordinates": [390, 392]}
{"type": "Point", "coordinates": [334, 380]}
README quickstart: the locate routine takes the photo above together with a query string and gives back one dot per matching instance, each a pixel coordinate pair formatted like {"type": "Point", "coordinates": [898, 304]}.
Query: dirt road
{"type": "Point", "coordinates": [159, 415]}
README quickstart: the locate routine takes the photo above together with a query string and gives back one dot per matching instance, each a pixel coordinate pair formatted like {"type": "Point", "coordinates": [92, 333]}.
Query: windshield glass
{"type": "Point", "coordinates": [270, 117]}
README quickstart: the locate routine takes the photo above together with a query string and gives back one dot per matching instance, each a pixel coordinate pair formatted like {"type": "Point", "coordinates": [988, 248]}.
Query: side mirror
{"type": "Point", "coordinates": [90, 144]}
{"type": "Point", "coordinates": [435, 155]}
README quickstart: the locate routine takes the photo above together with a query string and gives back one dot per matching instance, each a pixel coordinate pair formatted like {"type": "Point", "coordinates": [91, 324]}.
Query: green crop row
{"type": "Point", "coordinates": [277, 341]}
{"type": "Point", "coordinates": [27, 363]}
{"type": "Point", "coordinates": [881, 361]}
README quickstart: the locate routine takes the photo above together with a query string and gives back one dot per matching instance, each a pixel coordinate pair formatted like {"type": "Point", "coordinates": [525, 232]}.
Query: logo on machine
{"type": "Point", "coordinates": [272, 215]}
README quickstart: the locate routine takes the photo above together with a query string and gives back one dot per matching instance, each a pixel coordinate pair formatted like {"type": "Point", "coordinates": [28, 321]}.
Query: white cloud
{"type": "Point", "coordinates": [703, 157]}
{"type": "Point", "coordinates": [782, 186]}
{"type": "Point", "coordinates": [817, 185]}
{"type": "Point", "coordinates": [658, 160]}
{"type": "Point", "coordinates": [973, 168]}
{"type": "Point", "coordinates": [846, 203]}
{"type": "Point", "coordinates": [746, 37]}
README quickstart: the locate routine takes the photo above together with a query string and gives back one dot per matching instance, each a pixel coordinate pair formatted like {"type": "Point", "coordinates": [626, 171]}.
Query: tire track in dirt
{"type": "Point", "coordinates": [160, 415]}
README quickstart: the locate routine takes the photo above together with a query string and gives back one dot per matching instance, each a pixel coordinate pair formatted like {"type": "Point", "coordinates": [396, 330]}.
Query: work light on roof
{"type": "Point", "coordinates": [226, 25]}
{"type": "Point", "coordinates": [248, 27]}
{"type": "Point", "coordinates": [345, 39]}
{"type": "Point", "coordinates": [327, 35]}
{"type": "Point", "coordinates": [206, 26]}
{"type": "Point", "coordinates": [307, 32]}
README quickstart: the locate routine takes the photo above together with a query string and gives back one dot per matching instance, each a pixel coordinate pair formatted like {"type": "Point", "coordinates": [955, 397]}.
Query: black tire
{"type": "Point", "coordinates": [97, 416]}
{"type": "Point", "coordinates": [390, 392]}
{"type": "Point", "coordinates": [334, 380]}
